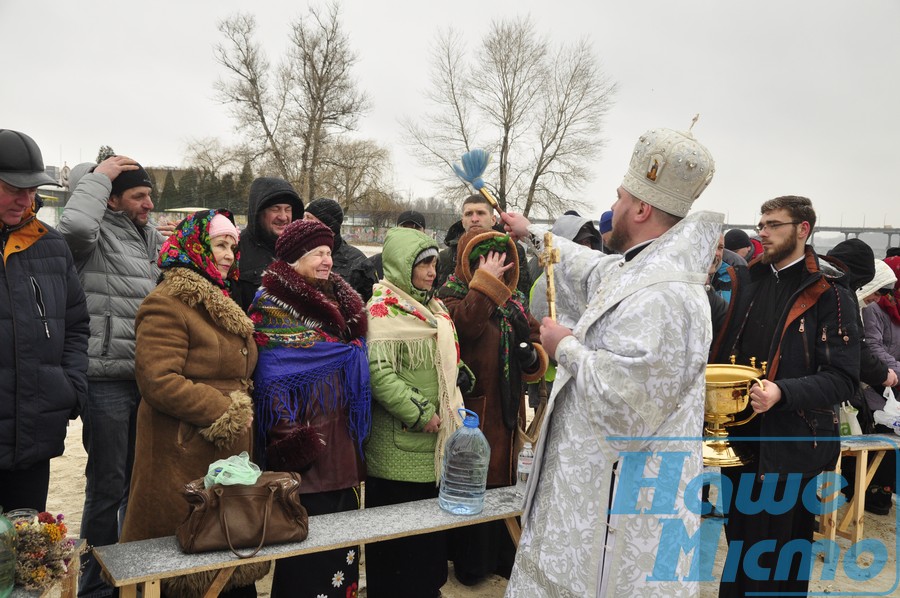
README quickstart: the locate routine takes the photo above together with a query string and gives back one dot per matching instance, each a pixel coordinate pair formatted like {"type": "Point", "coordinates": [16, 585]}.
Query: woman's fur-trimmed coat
{"type": "Point", "coordinates": [194, 360]}
{"type": "Point", "coordinates": [479, 344]}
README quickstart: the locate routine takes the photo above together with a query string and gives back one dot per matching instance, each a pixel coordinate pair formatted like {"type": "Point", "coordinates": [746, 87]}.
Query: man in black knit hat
{"type": "Point", "coordinates": [345, 256]}
{"type": "Point", "coordinates": [106, 223]}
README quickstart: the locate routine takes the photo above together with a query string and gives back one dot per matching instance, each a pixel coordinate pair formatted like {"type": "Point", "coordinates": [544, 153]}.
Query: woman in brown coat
{"type": "Point", "coordinates": [499, 341]}
{"type": "Point", "coordinates": [194, 360]}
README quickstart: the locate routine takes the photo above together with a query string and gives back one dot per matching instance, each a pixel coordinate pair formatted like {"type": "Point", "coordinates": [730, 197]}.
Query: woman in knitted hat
{"type": "Point", "coordinates": [313, 405]}
{"type": "Point", "coordinates": [193, 360]}
{"type": "Point", "coordinates": [414, 363]}
{"type": "Point", "coordinates": [499, 340]}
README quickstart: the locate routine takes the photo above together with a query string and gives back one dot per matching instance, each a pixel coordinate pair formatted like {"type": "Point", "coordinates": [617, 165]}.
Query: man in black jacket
{"type": "Point", "coordinates": [44, 329]}
{"type": "Point", "coordinates": [794, 316]}
{"type": "Point", "coordinates": [272, 206]}
{"type": "Point", "coordinates": [344, 256]}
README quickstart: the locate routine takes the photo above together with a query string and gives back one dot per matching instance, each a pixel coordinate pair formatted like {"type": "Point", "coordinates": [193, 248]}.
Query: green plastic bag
{"type": "Point", "coordinates": [236, 469]}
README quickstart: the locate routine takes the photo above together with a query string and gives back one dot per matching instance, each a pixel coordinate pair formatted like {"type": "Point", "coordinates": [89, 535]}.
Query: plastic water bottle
{"type": "Point", "coordinates": [464, 474]}
{"type": "Point", "coordinates": [8, 541]}
{"type": "Point", "coordinates": [526, 463]}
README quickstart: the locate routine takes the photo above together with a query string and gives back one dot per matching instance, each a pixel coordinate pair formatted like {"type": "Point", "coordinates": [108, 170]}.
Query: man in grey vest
{"type": "Point", "coordinates": [106, 224]}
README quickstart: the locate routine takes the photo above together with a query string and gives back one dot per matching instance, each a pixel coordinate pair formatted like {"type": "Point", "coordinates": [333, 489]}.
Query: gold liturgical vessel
{"type": "Point", "coordinates": [727, 394]}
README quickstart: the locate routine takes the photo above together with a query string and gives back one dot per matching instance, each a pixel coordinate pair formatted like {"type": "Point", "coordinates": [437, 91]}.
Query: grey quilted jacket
{"type": "Point", "coordinates": [117, 266]}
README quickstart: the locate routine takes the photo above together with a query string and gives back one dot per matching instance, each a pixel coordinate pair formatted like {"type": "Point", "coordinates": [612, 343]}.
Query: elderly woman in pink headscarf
{"type": "Point", "coordinates": [194, 359]}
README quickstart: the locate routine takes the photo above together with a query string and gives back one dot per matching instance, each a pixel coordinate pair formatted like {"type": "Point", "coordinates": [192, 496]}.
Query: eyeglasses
{"type": "Point", "coordinates": [773, 225]}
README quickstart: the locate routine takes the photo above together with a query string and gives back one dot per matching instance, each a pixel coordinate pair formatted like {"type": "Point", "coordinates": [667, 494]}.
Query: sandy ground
{"type": "Point", "coordinates": [67, 496]}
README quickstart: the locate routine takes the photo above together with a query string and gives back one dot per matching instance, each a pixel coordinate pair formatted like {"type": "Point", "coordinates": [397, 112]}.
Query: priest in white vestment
{"type": "Point", "coordinates": [631, 342]}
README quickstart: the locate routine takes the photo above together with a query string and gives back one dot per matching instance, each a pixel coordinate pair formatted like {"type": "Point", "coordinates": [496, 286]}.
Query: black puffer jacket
{"type": "Point", "coordinates": [257, 247]}
{"type": "Point", "coordinates": [814, 361]}
{"type": "Point", "coordinates": [44, 329]}
{"type": "Point", "coordinates": [345, 257]}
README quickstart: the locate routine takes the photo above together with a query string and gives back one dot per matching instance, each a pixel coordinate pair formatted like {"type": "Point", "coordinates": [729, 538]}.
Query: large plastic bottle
{"type": "Point", "coordinates": [464, 474]}
{"type": "Point", "coordinates": [8, 541]}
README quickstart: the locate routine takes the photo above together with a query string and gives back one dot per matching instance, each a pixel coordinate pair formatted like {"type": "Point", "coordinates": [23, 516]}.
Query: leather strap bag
{"type": "Point", "coordinates": [243, 516]}
{"type": "Point", "coordinates": [533, 432]}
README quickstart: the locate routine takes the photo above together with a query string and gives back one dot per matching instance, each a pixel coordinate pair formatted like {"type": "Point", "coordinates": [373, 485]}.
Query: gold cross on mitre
{"type": "Point", "coordinates": [548, 257]}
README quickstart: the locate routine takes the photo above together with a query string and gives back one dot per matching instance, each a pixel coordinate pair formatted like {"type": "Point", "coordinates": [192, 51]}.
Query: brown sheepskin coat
{"type": "Point", "coordinates": [194, 360]}
{"type": "Point", "coordinates": [479, 344]}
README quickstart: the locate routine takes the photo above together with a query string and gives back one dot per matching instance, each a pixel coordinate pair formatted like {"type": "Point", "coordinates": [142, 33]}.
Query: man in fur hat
{"type": "Point", "coordinates": [346, 257]}
{"type": "Point", "coordinates": [631, 346]}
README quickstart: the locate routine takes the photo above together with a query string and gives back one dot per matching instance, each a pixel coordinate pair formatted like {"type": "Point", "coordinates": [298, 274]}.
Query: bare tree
{"type": "Point", "coordinates": [538, 109]}
{"type": "Point", "coordinates": [288, 113]}
{"type": "Point", "coordinates": [257, 103]}
{"type": "Point", "coordinates": [448, 130]}
{"type": "Point", "coordinates": [355, 173]}
{"type": "Point", "coordinates": [323, 93]}
{"type": "Point", "coordinates": [209, 155]}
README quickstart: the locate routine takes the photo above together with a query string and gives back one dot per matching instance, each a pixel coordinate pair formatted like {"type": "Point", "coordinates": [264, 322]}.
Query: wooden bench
{"type": "Point", "coordinates": [147, 562]}
{"type": "Point", "coordinates": [832, 524]}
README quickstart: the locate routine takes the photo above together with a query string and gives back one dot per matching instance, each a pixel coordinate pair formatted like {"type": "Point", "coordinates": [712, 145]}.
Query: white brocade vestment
{"type": "Point", "coordinates": [635, 367]}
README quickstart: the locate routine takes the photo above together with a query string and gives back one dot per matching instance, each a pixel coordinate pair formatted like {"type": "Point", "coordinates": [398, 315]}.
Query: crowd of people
{"type": "Point", "coordinates": [180, 344]}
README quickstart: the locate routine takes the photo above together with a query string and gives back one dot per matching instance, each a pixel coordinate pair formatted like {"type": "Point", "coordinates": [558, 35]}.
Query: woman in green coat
{"type": "Point", "coordinates": [413, 363]}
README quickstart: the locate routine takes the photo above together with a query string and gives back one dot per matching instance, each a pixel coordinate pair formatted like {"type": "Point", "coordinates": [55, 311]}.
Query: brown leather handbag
{"type": "Point", "coordinates": [243, 516]}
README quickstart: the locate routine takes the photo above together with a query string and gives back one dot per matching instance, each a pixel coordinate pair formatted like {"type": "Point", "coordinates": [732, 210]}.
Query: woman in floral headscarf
{"type": "Point", "coordinates": [193, 361]}
{"type": "Point", "coordinates": [499, 340]}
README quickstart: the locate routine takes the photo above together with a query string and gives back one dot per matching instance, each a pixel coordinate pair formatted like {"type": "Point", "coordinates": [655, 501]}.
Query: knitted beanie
{"type": "Point", "coordinates": [301, 236]}
{"type": "Point", "coordinates": [737, 239]}
{"type": "Point", "coordinates": [220, 225]}
{"type": "Point", "coordinates": [329, 212]}
{"type": "Point", "coordinates": [425, 254]}
{"type": "Point", "coordinates": [606, 222]}
{"type": "Point", "coordinates": [130, 178]}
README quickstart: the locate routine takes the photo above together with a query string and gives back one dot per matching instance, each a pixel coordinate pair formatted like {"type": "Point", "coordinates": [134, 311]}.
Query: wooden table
{"type": "Point", "coordinates": [147, 562]}
{"type": "Point", "coordinates": [831, 524]}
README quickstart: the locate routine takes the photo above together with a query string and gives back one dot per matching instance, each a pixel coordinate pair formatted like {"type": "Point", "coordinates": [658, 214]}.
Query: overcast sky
{"type": "Point", "coordinates": [795, 96]}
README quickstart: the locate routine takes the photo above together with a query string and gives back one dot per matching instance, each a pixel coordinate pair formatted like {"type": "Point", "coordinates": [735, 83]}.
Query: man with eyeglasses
{"type": "Point", "coordinates": [795, 316]}
{"type": "Point", "coordinates": [44, 328]}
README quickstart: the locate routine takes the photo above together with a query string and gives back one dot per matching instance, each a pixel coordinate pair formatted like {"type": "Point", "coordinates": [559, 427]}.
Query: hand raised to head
{"type": "Point", "coordinates": [493, 263]}
{"type": "Point", "coordinates": [116, 165]}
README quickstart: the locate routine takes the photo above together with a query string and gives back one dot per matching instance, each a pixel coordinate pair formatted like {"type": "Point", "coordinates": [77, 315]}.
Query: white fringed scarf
{"type": "Point", "coordinates": [402, 328]}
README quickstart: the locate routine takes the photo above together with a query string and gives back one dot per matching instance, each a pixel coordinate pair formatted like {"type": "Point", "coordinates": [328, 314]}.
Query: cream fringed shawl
{"type": "Point", "coordinates": [404, 333]}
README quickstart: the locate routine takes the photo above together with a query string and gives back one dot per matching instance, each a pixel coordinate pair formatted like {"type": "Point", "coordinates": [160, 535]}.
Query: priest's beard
{"type": "Point", "coordinates": [619, 240]}
{"type": "Point", "coordinates": [776, 252]}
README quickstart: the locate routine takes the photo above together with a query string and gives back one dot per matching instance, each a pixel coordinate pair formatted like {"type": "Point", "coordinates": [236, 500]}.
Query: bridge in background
{"type": "Point", "coordinates": [847, 231]}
